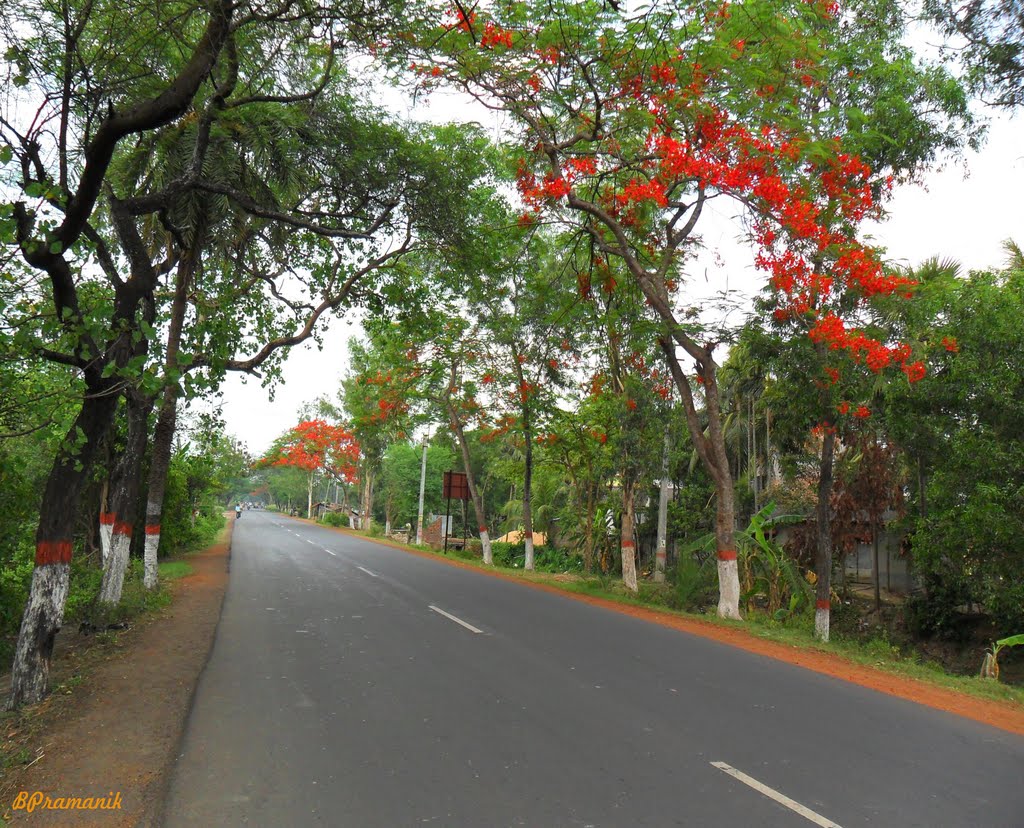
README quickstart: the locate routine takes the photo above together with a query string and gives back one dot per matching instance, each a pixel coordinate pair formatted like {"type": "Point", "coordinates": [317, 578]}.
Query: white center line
{"type": "Point", "coordinates": [328, 551]}
{"type": "Point", "coordinates": [451, 617]}
{"type": "Point", "coordinates": [367, 571]}
{"type": "Point", "coordinates": [771, 793]}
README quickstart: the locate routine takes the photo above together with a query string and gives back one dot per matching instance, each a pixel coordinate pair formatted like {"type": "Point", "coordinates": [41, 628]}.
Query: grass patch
{"type": "Point", "coordinates": [172, 570]}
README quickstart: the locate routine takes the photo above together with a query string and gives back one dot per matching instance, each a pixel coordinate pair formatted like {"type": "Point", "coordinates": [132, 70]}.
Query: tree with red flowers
{"type": "Point", "coordinates": [630, 125]}
{"type": "Point", "coordinates": [376, 399]}
{"type": "Point", "coordinates": [319, 449]}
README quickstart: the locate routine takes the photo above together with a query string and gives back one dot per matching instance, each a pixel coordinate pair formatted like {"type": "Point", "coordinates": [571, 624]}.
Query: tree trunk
{"type": "Point", "coordinates": [878, 584]}
{"type": "Point", "coordinates": [527, 507]}
{"type": "Point", "coordinates": [922, 485]}
{"type": "Point", "coordinates": [728, 566]}
{"type": "Point", "coordinates": [823, 560]}
{"type": "Point", "coordinates": [711, 450]}
{"type": "Point", "coordinates": [44, 611]}
{"type": "Point", "coordinates": [588, 531]}
{"type": "Point", "coordinates": [309, 495]}
{"type": "Point", "coordinates": [124, 497]}
{"type": "Point", "coordinates": [167, 419]}
{"type": "Point", "coordinates": [628, 536]}
{"type": "Point", "coordinates": [474, 493]}
{"type": "Point", "coordinates": [159, 468]}
{"type": "Point", "coordinates": [661, 551]}
{"type": "Point", "coordinates": [106, 522]}
{"type": "Point", "coordinates": [528, 461]}
{"type": "Point", "coordinates": [367, 521]}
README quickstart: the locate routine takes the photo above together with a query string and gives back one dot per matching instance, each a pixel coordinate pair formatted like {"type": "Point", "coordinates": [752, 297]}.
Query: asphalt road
{"type": "Point", "coordinates": [346, 689]}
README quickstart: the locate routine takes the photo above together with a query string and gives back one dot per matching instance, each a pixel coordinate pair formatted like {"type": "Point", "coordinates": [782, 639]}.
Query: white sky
{"type": "Point", "coordinates": [964, 212]}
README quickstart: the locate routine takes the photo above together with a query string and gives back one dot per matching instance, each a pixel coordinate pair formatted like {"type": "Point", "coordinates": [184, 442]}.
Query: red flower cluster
{"type": "Point", "coordinates": [494, 35]}
{"type": "Point", "coordinates": [315, 445]}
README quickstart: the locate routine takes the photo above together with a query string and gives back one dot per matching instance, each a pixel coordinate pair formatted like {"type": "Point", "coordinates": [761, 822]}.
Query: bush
{"type": "Point", "coordinates": [336, 519]}
{"type": "Point", "coordinates": [552, 559]}
{"type": "Point", "coordinates": [15, 578]}
{"type": "Point", "coordinates": [936, 610]}
{"type": "Point", "coordinates": [509, 555]}
{"type": "Point", "coordinates": [694, 585]}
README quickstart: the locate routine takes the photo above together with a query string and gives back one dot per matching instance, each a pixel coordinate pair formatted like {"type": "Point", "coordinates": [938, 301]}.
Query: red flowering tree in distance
{"type": "Point", "coordinates": [630, 125]}
{"type": "Point", "coordinates": [318, 448]}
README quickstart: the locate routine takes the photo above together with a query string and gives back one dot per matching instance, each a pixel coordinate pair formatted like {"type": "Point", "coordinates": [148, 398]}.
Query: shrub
{"type": "Point", "coordinates": [694, 585]}
{"type": "Point", "coordinates": [552, 559]}
{"type": "Point", "coordinates": [509, 555]}
{"type": "Point", "coordinates": [335, 519]}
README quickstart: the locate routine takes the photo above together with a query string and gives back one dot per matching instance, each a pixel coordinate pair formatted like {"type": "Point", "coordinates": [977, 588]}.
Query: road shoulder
{"type": "Point", "coordinates": [118, 730]}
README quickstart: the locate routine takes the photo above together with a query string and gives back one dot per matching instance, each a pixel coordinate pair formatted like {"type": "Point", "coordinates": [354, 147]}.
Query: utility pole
{"type": "Point", "coordinates": [423, 487]}
{"type": "Point", "coordinates": [661, 552]}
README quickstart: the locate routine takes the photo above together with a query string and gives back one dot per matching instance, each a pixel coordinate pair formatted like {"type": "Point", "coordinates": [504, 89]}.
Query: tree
{"type": "Point", "coordinates": [400, 480]}
{"type": "Point", "coordinates": [963, 427]}
{"type": "Point", "coordinates": [377, 408]}
{"type": "Point", "coordinates": [236, 152]}
{"type": "Point", "coordinates": [319, 449]}
{"type": "Point", "coordinates": [988, 42]}
{"type": "Point", "coordinates": [626, 135]}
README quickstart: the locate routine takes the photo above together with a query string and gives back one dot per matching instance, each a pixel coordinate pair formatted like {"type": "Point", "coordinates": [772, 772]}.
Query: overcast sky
{"type": "Point", "coordinates": [964, 212]}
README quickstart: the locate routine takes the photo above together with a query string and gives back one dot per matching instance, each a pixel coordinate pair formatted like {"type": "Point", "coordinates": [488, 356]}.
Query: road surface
{"type": "Point", "coordinates": [352, 684]}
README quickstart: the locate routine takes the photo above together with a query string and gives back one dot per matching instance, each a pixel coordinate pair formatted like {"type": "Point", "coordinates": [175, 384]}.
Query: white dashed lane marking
{"type": "Point", "coordinates": [771, 793]}
{"type": "Point", "coordinates": [459, 621]}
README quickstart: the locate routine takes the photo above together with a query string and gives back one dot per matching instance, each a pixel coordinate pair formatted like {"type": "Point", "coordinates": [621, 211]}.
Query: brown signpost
{"type": "Point", "coordinates": [455, 488]}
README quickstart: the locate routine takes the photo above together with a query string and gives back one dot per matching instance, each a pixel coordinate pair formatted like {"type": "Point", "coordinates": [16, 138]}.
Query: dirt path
{"type": "Point", "coordinates": [119, 731]}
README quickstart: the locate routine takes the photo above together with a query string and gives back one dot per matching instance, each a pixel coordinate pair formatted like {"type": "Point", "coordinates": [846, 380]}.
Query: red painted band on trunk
{"type": "Point", "coordinates": [106, 518]}
{"type": "Point", "coordinates": [482, 528]}
{"type": "Point", "coordinates": [823, 605]}
{"type": "Point", "coordinates": [153, 529]}
{"type": "Point", "coordinates": [727, 554]}
{"type": "Point", "coordinates": [122, 528]}
{"type": "Point", "coordinates": [628, 544]}
{"type": "Point", "coordinates": [53, 552]}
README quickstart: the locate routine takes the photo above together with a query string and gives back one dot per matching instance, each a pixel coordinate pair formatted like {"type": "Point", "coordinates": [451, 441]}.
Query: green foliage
{"type": "Point", "coordinates": [694, 583]}
{"type": "Point", "coordinates": [964, 427]}
{"type": "Point", "coordinates": [509, 555]}
{"type": "Point", "coordinates": [553, 559]}
{"type": "Point", "coordinates": [398, 486]}
{"type": "Point", "coordinates": [336, 519]}
{"type": "Point", "coordinates": [988, 41]}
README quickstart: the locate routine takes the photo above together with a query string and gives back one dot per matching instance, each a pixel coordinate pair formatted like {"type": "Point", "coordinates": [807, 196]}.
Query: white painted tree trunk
{"type": "Point", "coordinates": [728, 588]}
{"type": "Point", "coordinates": [629, 566]}
{"type": "Point", "coordinates": [151, 577]}
{"type": "Point", "coordinates": [821, 623]}
{"type": "Point", "coordinates": [44, 614]}
{"type": "Point", "coordinates": [485, 544]}
{"type": "Point", "coordinates": [309, 497]}
{"type": "Point", "coordinates": [528, 539]}
{"type": "Point", "coordinates": [117, 564]}
{"type": "Point", "coordinates": [106, 532]}
{"type": "Point", "coordinates": [150, 559]}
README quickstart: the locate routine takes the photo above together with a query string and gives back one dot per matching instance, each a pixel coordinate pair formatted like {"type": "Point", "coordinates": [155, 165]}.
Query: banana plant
{"type": "Point", "coordinates": [990, 667]}
{"type": "Point", "coordinates": [766, 571]}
